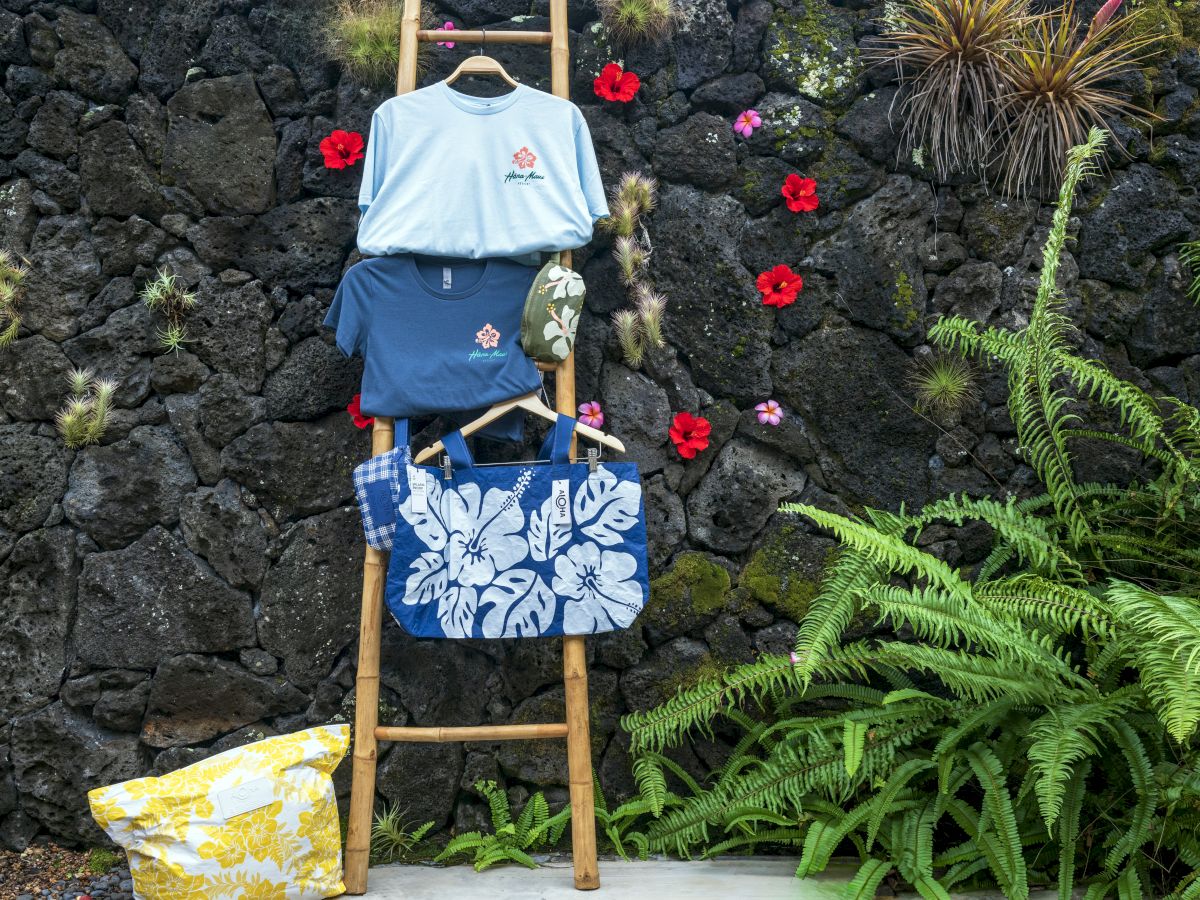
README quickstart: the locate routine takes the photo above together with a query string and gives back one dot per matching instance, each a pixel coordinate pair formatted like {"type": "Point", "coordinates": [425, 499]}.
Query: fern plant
{"type": "Point", "coordinates": [1037, 722]}
{"type": "Point", "coordinates": [510, 841]}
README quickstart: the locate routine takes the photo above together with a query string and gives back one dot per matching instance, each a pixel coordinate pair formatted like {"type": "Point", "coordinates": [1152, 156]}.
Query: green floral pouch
{"type": "Point", "coordinates": [551, 313]}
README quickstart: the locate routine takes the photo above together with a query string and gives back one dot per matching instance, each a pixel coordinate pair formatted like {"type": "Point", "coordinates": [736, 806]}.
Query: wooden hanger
{"type": "Point", "coordinates": [531, 403]}
{"type": "Point", "coordinates": [481, 65]}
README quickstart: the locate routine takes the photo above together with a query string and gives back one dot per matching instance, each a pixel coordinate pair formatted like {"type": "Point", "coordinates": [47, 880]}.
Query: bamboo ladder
{"type": "Point", "coordinates": [367, 731]}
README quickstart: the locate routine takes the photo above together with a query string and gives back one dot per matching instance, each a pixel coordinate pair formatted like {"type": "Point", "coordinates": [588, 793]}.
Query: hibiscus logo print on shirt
{"type": "Point", "coordinates": [487, 337]}
{"type": "Point", "coordinates": [524, 158]}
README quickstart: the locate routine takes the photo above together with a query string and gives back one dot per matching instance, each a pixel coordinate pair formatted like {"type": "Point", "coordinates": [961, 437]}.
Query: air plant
{"type": "Point", "coordinates": [640, 328]}
{"type": "Point", "coordinates": [944, 384]}
{"type": "Point", "coordinates": [638, 21]}
{"type": "Point", "coordinates": [85, 416]}
{"type": "Point", "coordinates": [364, 36]}
{"type": "Point", "coordinates": [392, 840]}
{"type": "Point", "coordinates": [1056, 89]}
{"type": "Point", "coordinates": [947, 55]}
{"type": "Point", "coordinates": [167, 295]}
{"type": "Point", "coordinates": [12, 277]}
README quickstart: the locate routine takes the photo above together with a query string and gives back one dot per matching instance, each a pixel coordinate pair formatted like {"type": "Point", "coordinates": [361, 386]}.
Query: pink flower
{"type": "Point", "coordinates": [769, 412]}
{"type": "Point", "coordinates": [524, 158]}
{"type": "Point", "coordinates": [745, 123]}
{"type": "Point", "coordinates": [591, 414]}
{"type": "Point", "coordinates": [487, 337]}
{"type": "Point", "coordinates": [449, 45]}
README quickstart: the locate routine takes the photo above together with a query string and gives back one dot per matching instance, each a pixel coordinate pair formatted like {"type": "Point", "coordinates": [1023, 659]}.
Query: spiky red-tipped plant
{"type": "Point", "coordinates": [947, 57]}
{"type": "Point", "coordinates": [1058, 91]}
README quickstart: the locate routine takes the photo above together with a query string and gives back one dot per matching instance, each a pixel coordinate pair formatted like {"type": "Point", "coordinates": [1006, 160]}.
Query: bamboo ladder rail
{"type": "Point", "coordinates": [367, 731]}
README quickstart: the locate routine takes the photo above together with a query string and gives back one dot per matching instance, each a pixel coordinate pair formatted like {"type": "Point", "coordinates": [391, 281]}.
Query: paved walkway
{"type": "Point", "coordinates": [721, 879]}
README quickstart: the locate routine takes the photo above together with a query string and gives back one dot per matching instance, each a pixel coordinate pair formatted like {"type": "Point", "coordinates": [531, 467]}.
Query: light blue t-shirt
{"type": "Point", "coordinates": [448, 174]}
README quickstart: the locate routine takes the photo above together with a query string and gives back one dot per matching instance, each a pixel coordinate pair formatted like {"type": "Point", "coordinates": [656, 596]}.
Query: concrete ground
{"type": "Point", "coordinates": [743, 878]}
{"type": "Point", "coordinates": [721, 879]}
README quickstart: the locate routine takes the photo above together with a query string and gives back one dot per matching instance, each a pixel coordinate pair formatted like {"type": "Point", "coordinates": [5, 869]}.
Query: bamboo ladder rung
{"type": "Point", "coordinates": [438, 735]}
{"type": "Point", "coordinates": [431, 35]}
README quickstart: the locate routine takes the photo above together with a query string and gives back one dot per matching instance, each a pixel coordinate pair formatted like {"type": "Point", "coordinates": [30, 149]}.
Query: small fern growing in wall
{"type": "Point", "coordinates": [85, 416]}
{"type": "Point", "coordinates": [510, 841]}
{"type": "Point", "coordinates": [169, 297]}
{"type": "Point", "coordinates": [12, 278]}
{"type": "Point", "coordinates": [638, 329]}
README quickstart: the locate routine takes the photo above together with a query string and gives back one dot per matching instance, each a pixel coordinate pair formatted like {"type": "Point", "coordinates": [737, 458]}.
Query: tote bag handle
{"type": "Point", "coordinates": [556, 448]}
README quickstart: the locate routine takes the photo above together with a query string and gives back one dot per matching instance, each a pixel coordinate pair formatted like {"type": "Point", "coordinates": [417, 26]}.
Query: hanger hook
{"type": "Point", "coordinates": [482, 40]}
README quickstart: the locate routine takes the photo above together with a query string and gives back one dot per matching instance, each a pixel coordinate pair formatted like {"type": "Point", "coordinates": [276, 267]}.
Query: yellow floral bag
{"type": "Point", "coordinates": [258, 822]}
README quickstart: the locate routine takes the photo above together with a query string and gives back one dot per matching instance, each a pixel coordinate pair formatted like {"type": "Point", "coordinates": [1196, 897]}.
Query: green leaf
{"type": "Point", "coordinates": [854, 737]}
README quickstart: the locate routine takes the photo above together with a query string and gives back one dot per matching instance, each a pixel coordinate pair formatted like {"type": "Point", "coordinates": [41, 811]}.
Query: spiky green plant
{"type": "Point", "coordinates": [169, 297]}
{"type": "Point", "coordinates": [638, 329]}
{"type": "Point", "coordinates": [1059, 88]}
{"type": "Point", "coordinates": [510, 840]}
{"type": "Point", "coordinates": [393, 839]}
{"type": "Point", "coordinates": [944, 384]}
{"type": "Point", "coordinates": [947, 57]}
{"type": "Point", "coordinates": [12, 277]}
{"type": "Point", "coordinates": [85, 416]}
{"type": "Point", "coordinates": [1189, 255]}
{"type": "Point", "coordinates": [1038, 724]}
{"type": "Point", "coordinates": [364, 37]}
{"type": "Point", "coordinates": [633, 22]}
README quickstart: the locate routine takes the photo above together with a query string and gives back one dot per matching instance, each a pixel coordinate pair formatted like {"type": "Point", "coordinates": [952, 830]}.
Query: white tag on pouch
{"type": "Point", "coordinates": [418, 487]}
{"type": "Point", "coordinates": [560, 503]}
{"type": "Point", "coordinates": [245, 797]}
{"type": "Point", "coordinates": [447, 278]}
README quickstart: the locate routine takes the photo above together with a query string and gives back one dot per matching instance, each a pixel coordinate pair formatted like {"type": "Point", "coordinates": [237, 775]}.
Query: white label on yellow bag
{"type": "Point", "coordinates": [560, 507]}
{"type": "Point", "coordinates": [245, 797]}
{"type": "Point", "coordinates": [419, 490]}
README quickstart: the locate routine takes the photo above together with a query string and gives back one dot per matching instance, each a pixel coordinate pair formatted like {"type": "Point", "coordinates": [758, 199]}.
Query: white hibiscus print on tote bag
{"type": "Point", "coordinates": [598, 587]}
{"type": "Point", "coordinates": [604, 509]}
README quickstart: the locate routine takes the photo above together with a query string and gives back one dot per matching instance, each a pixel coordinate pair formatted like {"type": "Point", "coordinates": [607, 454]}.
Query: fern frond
{"type": "Point", "coordinates": [866, 880]}
{"type": "Point", "coordinates": [1010, 861]}
{"type": "Point", "coordinates": [1068, 829]}
{"type": "Point", "coordinates": [1145, 800]}
{"type": "Point", "coordinates": [1039, 601]}
{"type": "Point", "coordinates": [832, 609]}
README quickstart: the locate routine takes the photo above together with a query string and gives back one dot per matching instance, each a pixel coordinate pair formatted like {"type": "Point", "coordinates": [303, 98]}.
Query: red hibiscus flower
{"type": "Point", "coordinates": [342, 148]}
{"type": "Point", "coordinates": [616, 84]}
{"type": "Point", "coordinates": [800, 193]}
{"type": "Point", "coordinates": [689, 434]}
{"type": "Point", "coordinates": [779, 286]}
{"type": "Point", "coordinates": [355, 410]}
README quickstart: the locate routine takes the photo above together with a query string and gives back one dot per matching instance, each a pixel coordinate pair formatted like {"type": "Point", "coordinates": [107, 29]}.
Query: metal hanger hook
{"type": "Point", "coordinates": [482, 40]}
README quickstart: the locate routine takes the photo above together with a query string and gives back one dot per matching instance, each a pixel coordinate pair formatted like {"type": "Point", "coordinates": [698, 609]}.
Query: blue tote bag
{"type": "Point", "coordinates": [527, 550]}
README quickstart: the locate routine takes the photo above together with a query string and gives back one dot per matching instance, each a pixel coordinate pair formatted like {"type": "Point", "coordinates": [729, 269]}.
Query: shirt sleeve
{"type": "Point", "coordinates": [347, 318]}
{"type": "Point", "coordinates": [373, 162]}
{"type": "Point", "coordinates": [589, 171]}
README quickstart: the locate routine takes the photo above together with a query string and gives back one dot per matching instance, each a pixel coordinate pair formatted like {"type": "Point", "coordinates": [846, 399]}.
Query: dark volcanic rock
{"type": "Point", "coordinates": [299, 245]}
{"type": "Point", "coordinates": [35, 378]}
{"type": "Point", "coordinates": [221, 145]}
{"type": "Point", "coordinates": [35, 617]}
{"type": "Point", "coordinates": [176, 36]}
{"type": "Point", "coordinates": [53, 129]}
{"type": "Point", "coordinates": [809, 50]}
{"type": "Point", "coordinates": [298, 468]}
{"type": "Point", "coordinates": [702, 41]}
{"type": "Point", "coordinates": [58, 755]}
{"type": "Point", "coordinates": [91, 61]}
{"type": "Point", "coordinates": [843, 381]}
{"type": "Point", "coordinates": [422, 779]}
{"type": "Point", "coordinates": [65, 276]}
{"type": "Point", "coordinates": [316, 378]}
{"type": "Point", "coordinates": [228, 329]}
{"type": "Point", "coordinates": [303, 617]}
{"type": "Point", "coordinates": [699, 151]}
{"type": "Point", "coordinates": [117, 181]}
{"type": "Point", "coordinates": [438, 682]}
{"type": "Point", "coordinates": [33, 474]}
{"type": "Point", "coordinates": [230, 535]}
{"type": "Point", "coordinates": [155, 599]}
{"type": "Point", "coordinates": [195, 698]}
{"type": "Point", "coordinates": [120, 490]}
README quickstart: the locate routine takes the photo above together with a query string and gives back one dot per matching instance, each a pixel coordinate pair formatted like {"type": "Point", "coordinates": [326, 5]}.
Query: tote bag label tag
{"type": "Point", "coordinates": [560, 505]}
{"type": "Point", "coordinates": [418, 489]}
{"type": "Point", "coordinates": [245, 797]}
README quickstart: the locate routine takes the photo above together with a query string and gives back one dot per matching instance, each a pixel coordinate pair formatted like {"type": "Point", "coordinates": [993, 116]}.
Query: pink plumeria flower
{"type": "Point", "coordinates": [745, 123]}
{"type": "Point", "coordinates": [794, 658]}
{"type": "Point", "coordinates": [590, 414]}
{"type": "Point", "coordinates": [449, 45]}
{"type": "Point", "coordinates": [769, 412]}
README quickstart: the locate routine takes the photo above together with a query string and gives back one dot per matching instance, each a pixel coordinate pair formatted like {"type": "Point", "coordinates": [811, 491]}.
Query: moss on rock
{"type": "Point", "coordinates": [812, 51]}
{"type": "Point", "coordinates": [695, 587]}
{"type": "Point", "coordinates": [784, 574]}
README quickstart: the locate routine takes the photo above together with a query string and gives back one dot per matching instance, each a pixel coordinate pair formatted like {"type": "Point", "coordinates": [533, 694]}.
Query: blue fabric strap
{"type": "Point", "coordinates": [564, 429]}
{"type": "Point", "coordinates": [401, 433]}
{"type": "Point", "coordinates": [456, 448]}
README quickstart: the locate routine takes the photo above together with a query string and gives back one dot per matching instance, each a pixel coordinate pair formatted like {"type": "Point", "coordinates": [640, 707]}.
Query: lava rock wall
{"type": "Point", "coordinates": [192, 583]}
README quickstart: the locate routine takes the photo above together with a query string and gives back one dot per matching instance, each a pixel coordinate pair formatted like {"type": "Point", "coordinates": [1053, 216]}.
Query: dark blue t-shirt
{"type": "Point", "coordinates": [437, 335]}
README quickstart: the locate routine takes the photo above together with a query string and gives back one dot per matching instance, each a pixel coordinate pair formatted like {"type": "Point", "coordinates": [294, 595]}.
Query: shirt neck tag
{"type": "Point", "coordinates": [560, 506]}
{"type": "Point", "coordinates": [447, 278]}
{"type": "Point", "coordinates": [418, 489]}
{"type": "Point", "coordinates": [245, 797]}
